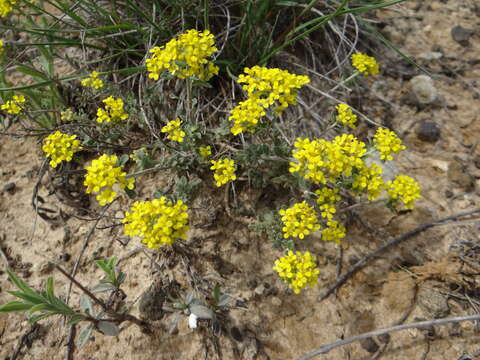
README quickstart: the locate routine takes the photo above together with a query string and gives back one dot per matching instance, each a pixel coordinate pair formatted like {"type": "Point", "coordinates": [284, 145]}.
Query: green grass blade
{"type": "Point", "coordinates": [32, 72]}
{"type": "Point", "coordinates": [391, 46]}
{"type": "Point", "coordinates": [19, 283]}
{"type": "Point", "coordinates": [34, 299]}
{"type": "Point", "coordinates": [14, 306]}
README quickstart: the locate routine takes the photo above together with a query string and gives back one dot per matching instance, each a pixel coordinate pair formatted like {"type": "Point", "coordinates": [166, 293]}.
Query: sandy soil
{"type": "Point", "coordinates": [423, 278]}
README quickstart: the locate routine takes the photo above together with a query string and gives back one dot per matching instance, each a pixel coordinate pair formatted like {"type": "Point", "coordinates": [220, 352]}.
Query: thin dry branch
{"type": "Point", "coordinates": [84, 247]}
{"type": "Point", "coordinates": [371, 256]}
{"type": "Point", "coordinates": [422, 324]}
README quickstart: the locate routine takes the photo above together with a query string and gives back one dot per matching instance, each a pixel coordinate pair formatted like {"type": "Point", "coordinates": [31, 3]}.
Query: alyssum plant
{"type": "Point", "coordinates": [324, 171]}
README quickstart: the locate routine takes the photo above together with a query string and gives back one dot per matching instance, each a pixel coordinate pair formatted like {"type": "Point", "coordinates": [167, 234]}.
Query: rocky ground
{"type": "Point", "coordinates": [429, 276]}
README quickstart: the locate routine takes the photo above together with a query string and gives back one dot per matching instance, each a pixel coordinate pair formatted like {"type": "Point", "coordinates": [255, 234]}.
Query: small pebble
{"type": "Point", "coordinates": [424, 89]}
{"type": "Point", "coordinates": [10, 188]}
{"type": "Point", "coordinates": [236, 334]}
{"type": "Point", "coordinates": [370, 345]}
{"type": "Point", "coordinates": [428, 131]}
{"type": "Point", "coordinates": [65, 257]}
{"type": "Point", "coordinates": [461, 35]}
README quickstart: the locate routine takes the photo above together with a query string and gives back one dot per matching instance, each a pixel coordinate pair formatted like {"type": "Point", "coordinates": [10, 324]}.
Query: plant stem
{"type": "Point", "coordinates": [422, 324]}
{"type": "Point", "coordinates": [350, 78]}
{"type": "Point", "coordinates": [147, 171]}
{"type": "Point", "coordinates": [189, 99]}
{"type": "Point", "coordinates": [84, 289]}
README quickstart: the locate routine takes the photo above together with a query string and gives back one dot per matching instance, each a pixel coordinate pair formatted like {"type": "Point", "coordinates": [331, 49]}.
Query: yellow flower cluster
{"type": "Point", "coordinates": [404, 188]}
{"type": "Point", "coordinates": [6, 7]}
{"type": "Point", "coordinates": [246, 115]}
{"type": "Point", "coordinates": [66, 115]}
{"type": "Point", "coordinates": [157, 222]}
{"type": "Point", "coordinates": [93, 81]}
{"type": "Point", "coordinates": [265, 87]}
{"type": "Point", "coordinates": [102, 175]}
{"type": "Point", "coordinates": [326, 201]}
{"type": "Point", "coordinates": [13, 106]}
{"type": "Point", "coordinates": [174, 131]}
{"type": "Point", "coordinates": [321, 161]}
{"type": "Point", "coordinates": [346, 116]}
{"type": "Point", "coordinates": [298, 270]}
{"type": "Point", "coordinates": [367, 65]}
{"type": "Point", "coordinates": [113, 110]}
{"type": "Point", "coordinates": [184, 56]}
{"type": "Point", "coordinates": [387, 142]}
{"type": "Point", "coordinates": [369, 179]}
{"type": "Point", "coordinates": [334, 231]}
{"type": "Point", "coordinates": [1, 47]}
{"type": "Point", "coordinates": [272, 85]}
{"type": "Point", "coordinates": [224, 171]}
{"type": "Point", "coordinates": [60, 147]}
{"type": "Point", "coordinates": [205, 151]}
{"type": "Point", "coordinates": [299, 220]}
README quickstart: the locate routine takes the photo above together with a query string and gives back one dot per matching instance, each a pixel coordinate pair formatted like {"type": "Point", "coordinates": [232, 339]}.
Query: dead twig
{"type": "Point", "coordinates": [84, 247]}
{"type": "Point", "coordinates": [395, 241]}
{"type": "Point", "coordinates": [418, 325]}
{"type": "Point", "coordinates": [26, 339]}
{"type": "Point", "coordinates": [72, 330]}
{"type": "Point", "coordinates": [4, 258]}
{"type": "Point", "coordinates": [71, 342]}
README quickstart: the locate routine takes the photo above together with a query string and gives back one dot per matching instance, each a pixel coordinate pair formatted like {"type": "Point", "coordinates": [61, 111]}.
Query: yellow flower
{"type": "Point", "coordinates": [298, 270]}
{"type": "Point", "coordinates": [405, 189]}
{"type": "Point", "coordinates": [334, 231]}
{"type": "Point", "coordinates": [184, 57]}
{"type": "Point", "coordinates": [113, 111]}
{"type": "Point", "coordinates": [246, 116]}
{"type": "Point", "coordinates": [265, 88]}
{"type": "Point", "coordinates": [224, 171]}
{"type": "Point", "coordinates": [13, 106]}
{"type": "Point", "coordinates": [66, 115]}
{"type": "Point", "coordinates": [369, 179]}
{"type": "Point", "coordinates": [6, 7]}
{"type": "Point", "coordinates": [346, 116]}
{"type": "Point", "coordinates": [326, 201]}
{"type": "Point", "coordinates": [102, 175]}
{"type": "Point", "coordinates": [205, 151]}
{"type": "Point", "coordinates": [387, 143]}
{"type": "Point", "coordinates": [321, 161]}
{"type": "Point", "coordinates": [1, 47]}
{"type": "Point", "coordinates": [299, 220]}
{"type": "Point", "coordinates": [175, 133]}
{"type": "Point", "coordinates": [367, 65]}
{"type": "Point", "coordinates": [93, 81]}
{"type": "Point", "coordinates": [157, 222]}
{"type": "Point", "coordinates": [60, 147]}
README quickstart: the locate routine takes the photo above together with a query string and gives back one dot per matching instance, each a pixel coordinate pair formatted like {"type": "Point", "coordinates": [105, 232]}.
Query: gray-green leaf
{"type": "Point", "coordinates": [108, 328]}
{"type": "Point", "coordinates": [84, 335]}
{"type": "Point", "coordinates": [202, 312]}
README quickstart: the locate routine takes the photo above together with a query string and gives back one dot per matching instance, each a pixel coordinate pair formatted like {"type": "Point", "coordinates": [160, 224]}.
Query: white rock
{"type": "Point", "coordinates": [192, 321]}
{"type": "Point", "coordinates": [424, 89]}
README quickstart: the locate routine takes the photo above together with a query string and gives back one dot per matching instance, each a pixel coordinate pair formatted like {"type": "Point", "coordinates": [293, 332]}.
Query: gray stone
{"type": "Point", "coordinates": [457, 173]}
{"type": "Point", "coordinates": [423, 89]}
{"type": "Point", "coordinates": [433, 303]}
{"type": "Point", "coordinates": [461, 35]}
{"type": "Point", "coordinates": [428, 131]}
{"type": "Point", "coordinates": [10, 188]}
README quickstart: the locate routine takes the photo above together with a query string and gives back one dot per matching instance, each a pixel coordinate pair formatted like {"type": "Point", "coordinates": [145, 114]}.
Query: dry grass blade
{"type": "Point", "coordinates": [371, 256]}
{"type": "Point", "coordinates": [418, 325]}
